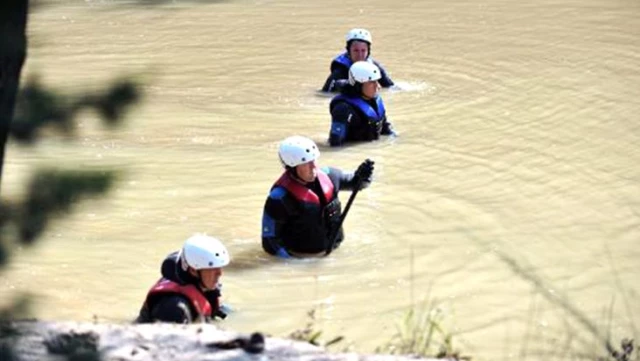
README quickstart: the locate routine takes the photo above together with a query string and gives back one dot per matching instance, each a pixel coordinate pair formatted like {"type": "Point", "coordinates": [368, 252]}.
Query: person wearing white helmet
{"type": "Point", "coordinates": [358, 48]}
{"type": "Point", "coordinates": [302, 212]}
{"type": "Point", "coordinates": [189, 289]}
{"type": "Point", "coordinates": [358, 113]}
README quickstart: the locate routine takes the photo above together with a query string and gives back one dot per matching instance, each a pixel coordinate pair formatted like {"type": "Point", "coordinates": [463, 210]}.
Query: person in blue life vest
{"type": "Point", "coordinates": [189, 290]}
{"type": "Point", "coordinates": [358, 48]}
{"type": "Point", "coordinates": [358, 112]}
{"type": "Point", "coordinates": [301, 215]}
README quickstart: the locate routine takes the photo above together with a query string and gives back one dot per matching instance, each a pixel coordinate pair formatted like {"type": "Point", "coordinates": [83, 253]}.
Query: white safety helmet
{"type": "Point", "coordinates": [362, 72]}
{"type": "Point", "coordinates": [359, 34]}
{"type": "Point", "coordinates": [201, 252]}
{"type": "Point", "coordinates": [297, 150]}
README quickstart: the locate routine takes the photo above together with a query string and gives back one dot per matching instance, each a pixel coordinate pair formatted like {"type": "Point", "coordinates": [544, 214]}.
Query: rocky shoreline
{"type": "Point", "coordinates": [41, 340]}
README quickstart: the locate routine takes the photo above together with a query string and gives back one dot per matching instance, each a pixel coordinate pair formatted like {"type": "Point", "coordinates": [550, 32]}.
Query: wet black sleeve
{"type": "Point", "coordinates": [213, 297]}
{"type": "Point", "coordinates": [342, 180]}
{"type": "Point", "coordinates": [335, 81]}
{"type": "Point", "coordinates": [385, 80]}
{"type": "Point", "coordinates": [172, 308]}
{"type": "Point", "coordinates": [387, 127]}
{"type": "Point", "coordinates": [341, 115]}
{"type": "Point", "coordinates": [275, 215]}
{"type": "Point", "coordinates": [168, 268]}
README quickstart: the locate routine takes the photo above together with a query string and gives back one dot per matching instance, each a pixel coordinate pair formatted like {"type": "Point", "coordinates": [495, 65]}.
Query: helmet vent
{"type": "Point", "coordinates": [210, 263]}
{"type": "Point", "coordinates": [304, 159]}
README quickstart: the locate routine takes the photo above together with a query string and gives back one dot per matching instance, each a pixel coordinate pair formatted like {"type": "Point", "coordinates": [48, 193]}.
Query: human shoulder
{"type": "Point", "coordinates": [377, 63]}
{"type": "Point", "coordinates": [385, 81]}
{"type": "Point", "coordinates": [280, 202]}
{"type": "Point", "coordinates": [341, 60]}
{"type": "Point", "coordinates": [277, 193]}
{"type": "Point", "coordinates": [340, 106]}
{"type": "Point", "coordinates": [168, 268]}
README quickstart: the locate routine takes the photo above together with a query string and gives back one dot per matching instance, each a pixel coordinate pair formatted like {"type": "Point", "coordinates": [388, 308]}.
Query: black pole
{"type": "Point", "coordinates": [334, 237]}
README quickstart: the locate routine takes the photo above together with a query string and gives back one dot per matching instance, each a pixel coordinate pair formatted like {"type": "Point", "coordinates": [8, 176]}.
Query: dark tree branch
{"type": "Point", "coordinates": [13, 51]}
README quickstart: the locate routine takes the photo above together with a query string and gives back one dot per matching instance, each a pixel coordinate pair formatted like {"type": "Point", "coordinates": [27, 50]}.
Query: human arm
{"type": "Point", "coordinates": [218, 309]}
{"type": "Point", "coordinates": [350, 180]}
{"type": "Point", "coordinates": [335, 81]}
{"type": "Point", "coordinates": [338, 78]}
{"type": "Point", "coordinates": [385, 80]}
{"type": "Point", "coordinates": [387, 128]}
{"type": "Point", "coordinates": [172, 308]}
{"type": "Point", "coordinates": [274, 217]}
{"type": "Point", "coordinates": [342, 115]}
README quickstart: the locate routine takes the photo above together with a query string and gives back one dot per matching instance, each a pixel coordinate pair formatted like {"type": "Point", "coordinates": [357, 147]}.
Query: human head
{"type": "Point", "coordinates": [204, 256]}
{"type": "Point", "coordinates": [298, 155]}
{"type": "Point", "coordinates": [364, 76]}
{"type": "Point", "coordinates": [358, 44]}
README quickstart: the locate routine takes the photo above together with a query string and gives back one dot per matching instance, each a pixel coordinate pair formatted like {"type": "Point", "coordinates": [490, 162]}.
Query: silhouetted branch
{"type": "Point", "coordinates": [53, 192]}
{"type": "Point", "coordinates": [13, 51]}
{"type": "Point", "coordinates": [38, 106]}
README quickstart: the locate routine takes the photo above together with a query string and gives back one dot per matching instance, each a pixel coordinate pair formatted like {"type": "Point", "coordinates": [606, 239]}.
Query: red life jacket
{"type": "Point", "coordinates": [303, 193]}
{"type": "Point", "coordinates": [198, 301]}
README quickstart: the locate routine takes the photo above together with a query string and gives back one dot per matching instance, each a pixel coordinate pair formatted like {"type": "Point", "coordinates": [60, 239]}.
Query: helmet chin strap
{"type": "Point", "coordinates": [358, 87]}
{"type": "Point", "coordinates": [202, 285]}
{"type": "Point", "coordinates": [294, 174]}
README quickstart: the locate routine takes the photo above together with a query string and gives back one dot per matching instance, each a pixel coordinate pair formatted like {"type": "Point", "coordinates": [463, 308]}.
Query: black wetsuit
{"type": "Point", "coordinates": [354, 119]}
{"type": "Point", "coordinates": [176, 307]}
{"type": "Point", "coordinates": [339, 76]}
{"type": "Point", "coordinates": [299, 224]}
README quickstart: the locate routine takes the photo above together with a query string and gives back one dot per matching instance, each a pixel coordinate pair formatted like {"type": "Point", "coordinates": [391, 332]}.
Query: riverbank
{"type": "Point", "coordinates": [41, 340]}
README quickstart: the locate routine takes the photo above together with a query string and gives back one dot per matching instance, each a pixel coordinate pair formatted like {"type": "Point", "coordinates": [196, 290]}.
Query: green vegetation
{"type": "Point", "coordinates": [422, 333]}
{"type": "Point", "coordinates": [311, 334]}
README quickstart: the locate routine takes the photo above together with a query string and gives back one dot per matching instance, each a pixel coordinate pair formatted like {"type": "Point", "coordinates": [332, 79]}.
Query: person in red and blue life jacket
{"type": "Point", "coordinates": [358, 48]}
{"type": "Point", "coordinates": [189, 290]}
{"type": "Point", "coordinates": [302, 213]}
{"type": "Point", "coordinates": [358, 113]}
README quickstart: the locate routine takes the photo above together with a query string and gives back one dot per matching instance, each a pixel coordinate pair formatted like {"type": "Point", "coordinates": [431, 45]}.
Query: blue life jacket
{"type": "Point", "coordinates": [344, 60]}
{"type": "Point", "coordinates": [364, 107]}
